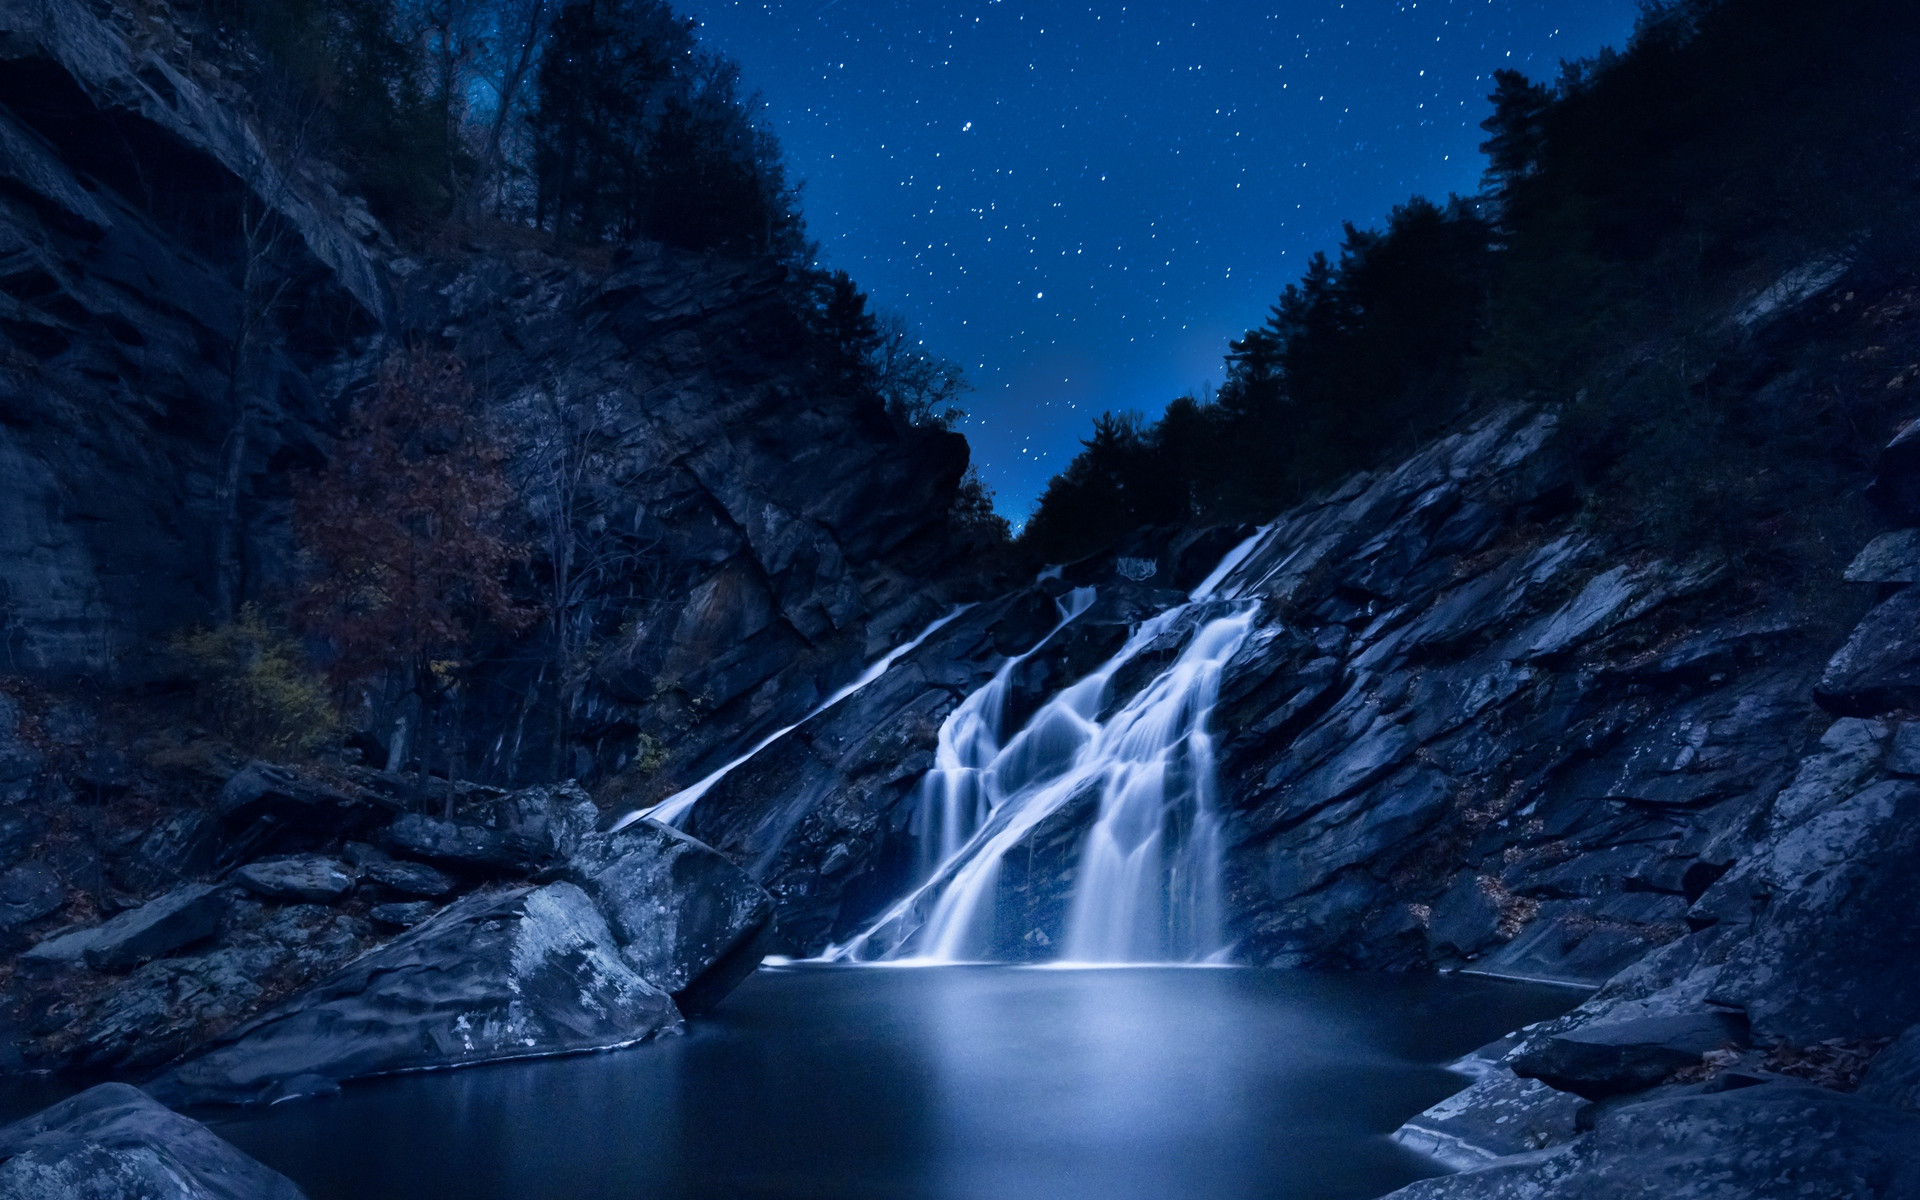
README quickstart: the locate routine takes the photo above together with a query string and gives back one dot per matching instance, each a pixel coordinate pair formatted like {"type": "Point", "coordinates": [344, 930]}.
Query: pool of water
{"type": "Point", "coordinates": [982, 1083]}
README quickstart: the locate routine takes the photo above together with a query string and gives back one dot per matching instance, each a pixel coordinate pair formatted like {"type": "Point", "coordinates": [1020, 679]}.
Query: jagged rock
{"type": "Point", "coordinates": [1614, 1057]}
{"type": "Point", "coordinates": [1499, 1115]}
{"type": "Point", "coordinates": [113, 1142]}
{"type": "Point", "coordinates": [1890, 558]}
{"type": "Point", "coordinates": [410, 879]}
{"type": "Point", "coordinates": [1777, 1139]}
{"type": "Point", "coordinates": [461, 844]}
{"type": "Point", "coordinates": [261, 790]}
{"type": "Point", "coordinates": [404, 915]}
{"type": "Point", "coordinates": [171, 1005]}
{"type": "Point", "coordinates": [308, 878]}
{"type": "Point", "coordinates": [687, 920]}
{"type": "Point", "coordinates": [1466, 918]}
{"type": "Point", "coordinates": [28, 892]}
{"type": "Point", "coordinates": [514, 833]}
{"type": "Point", "coordinates": [157, 928]}
{"type": "Point", "coordinates": [500, 974]}
{"type": "Point", "coordinates": [1878, 670]}
{"type": "Point", "coordinates": [1894, 1077]}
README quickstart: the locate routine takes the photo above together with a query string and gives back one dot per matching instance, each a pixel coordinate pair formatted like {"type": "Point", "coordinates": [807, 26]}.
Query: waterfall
{"type": "Point", "coordinates": [955, 796]}
{"type": "Point", "coordinates": [1148, 884]}
{"type": "Point", "coordinates": [675, 806]}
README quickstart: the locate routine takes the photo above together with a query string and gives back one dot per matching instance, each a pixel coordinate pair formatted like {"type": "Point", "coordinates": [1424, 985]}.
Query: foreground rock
{"type": "Point", "coordinates": [507, 973]}
{"type": "Point", "coordinates": [688, 921]}
{"type": "Point", "coordinates": [1612, 1058]}
{"type": "Point", "coordinates": [1778, 1139]}
{"type": "Point", "coordinates": [113, 1142]}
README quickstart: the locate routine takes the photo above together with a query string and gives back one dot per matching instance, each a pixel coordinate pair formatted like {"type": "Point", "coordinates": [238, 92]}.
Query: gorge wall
{"type": "Point", "coordinates": [1475, 726]}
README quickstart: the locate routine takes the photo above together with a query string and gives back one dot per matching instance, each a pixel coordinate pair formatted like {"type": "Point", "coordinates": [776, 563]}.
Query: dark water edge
{"type": "Point", "coordinates": [983, 1083]}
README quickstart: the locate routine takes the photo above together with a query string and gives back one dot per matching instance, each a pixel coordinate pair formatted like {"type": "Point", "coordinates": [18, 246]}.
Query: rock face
{"type": "Point", "coordinates": [112, 1142]}
{"type": "Point", "coordinates": [1776, 1139]}
{"type": "Point", "coordinates": [120, 161]}
{"type": "Point", "coordinates": [771, 533]}
{"type": "Point", "coordinates": [687, 921]}
{"type": "Point", "coordinates": [329, 964]}
{"type": "Point", "coordinates": [498, 974]}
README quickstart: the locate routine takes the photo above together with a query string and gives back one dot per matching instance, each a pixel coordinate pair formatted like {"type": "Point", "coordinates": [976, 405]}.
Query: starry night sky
{"type": "Point", "coordinates": [1083, 203]}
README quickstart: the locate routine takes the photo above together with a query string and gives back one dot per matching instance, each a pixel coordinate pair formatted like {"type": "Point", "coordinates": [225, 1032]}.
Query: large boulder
{"type": "Point", "coordinates": [1615, 1057]}
{"type": "Point", "coordinates": [515, 833]}
{"type": "Point", "coordinates": [687, 920]}
{"type": "Point", "coordinates": [1878, 670]}
{"type": "Point", "coordinates": [1778, 1139]}
{"type": "Point", "coordinates": [159, 927]}
{"type": "Point", "coordinates": [112, 1142]}
{"type": "Point", "coordinates": [507, 973]}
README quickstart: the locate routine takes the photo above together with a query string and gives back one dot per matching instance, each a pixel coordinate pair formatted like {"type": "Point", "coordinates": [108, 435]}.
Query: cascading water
{"type": "Point", "coordinates": [674, 807]}
{"type": "Point", "coordinates": [955, 796]}
{"type": "Point", "coordinates": [1148, 884]}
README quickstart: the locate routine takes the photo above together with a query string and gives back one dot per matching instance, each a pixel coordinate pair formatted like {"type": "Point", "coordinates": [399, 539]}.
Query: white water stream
{"type": "Point", "coordinates": [1148, 885]}
{"type": "Point", "coordinates": [674, 807]}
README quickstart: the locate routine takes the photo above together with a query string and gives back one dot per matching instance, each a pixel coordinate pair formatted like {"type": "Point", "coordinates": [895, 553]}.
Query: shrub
{"type": "Point", "coordinates": [256, 687]}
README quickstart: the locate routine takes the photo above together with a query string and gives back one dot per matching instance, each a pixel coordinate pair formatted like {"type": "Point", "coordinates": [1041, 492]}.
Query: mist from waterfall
{"type": "Point", "coordinates": [1148, 884]}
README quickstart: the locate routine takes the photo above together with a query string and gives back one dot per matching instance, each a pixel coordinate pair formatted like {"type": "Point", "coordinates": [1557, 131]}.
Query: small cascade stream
{"type": "Point", "coordinates": [1148, 885]}
{"type": "Point", "coordinates": [674, 807]}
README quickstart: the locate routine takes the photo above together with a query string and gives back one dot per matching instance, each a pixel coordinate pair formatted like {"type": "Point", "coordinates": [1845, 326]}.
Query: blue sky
{"type": "Point", "coordinates": [1083, 204]}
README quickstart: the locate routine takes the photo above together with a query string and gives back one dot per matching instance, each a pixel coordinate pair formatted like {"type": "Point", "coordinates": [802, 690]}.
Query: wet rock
{"type": "Point", "coordinates": [28, 892]}
{"type": "Point", "coordinates": [1466, 918]}
{"type": "Point", "coordinates": [409, 879]}
{"type": "Point", "coordinates": [1611, 1058]}
{"type": "Point", "coordinates": [1499, 1115]}
{"type": "Point", "coordinates": [157, 928]}
{"type": "Point", "coordinates": [300, 1087]}
{"type": "Point", "coordinates": [310, 879]}
{"type": "Point", "coordinates": [1777, 1139]}
{"type": "Point", "coordinates": [687, 920]}
{"type": "Point", "coordinates": [113, 1142]}
{"type": "Point", "coordinates": [500, 974]}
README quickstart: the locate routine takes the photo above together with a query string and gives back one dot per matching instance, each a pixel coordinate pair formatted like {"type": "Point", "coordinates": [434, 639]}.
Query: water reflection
{"type": "Point", "coordinates": [975, 1083]}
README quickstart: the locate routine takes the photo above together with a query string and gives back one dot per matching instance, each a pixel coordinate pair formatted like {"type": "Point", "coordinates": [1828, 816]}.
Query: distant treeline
{"type": "Point", "coordinates": [1628, 208]}
{"type": "Point", "coordinates": [596, 119]}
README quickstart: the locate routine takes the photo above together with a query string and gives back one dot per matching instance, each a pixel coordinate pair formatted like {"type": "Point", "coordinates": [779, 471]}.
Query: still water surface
{"type": "Point", "coordinates": [971, 1083]}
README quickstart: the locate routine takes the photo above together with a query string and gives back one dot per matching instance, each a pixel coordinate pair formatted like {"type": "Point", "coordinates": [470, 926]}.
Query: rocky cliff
{"type": "Point", "coordinates": [1472, 724]}
{"type": "Point", "coordinates": [188, 308]}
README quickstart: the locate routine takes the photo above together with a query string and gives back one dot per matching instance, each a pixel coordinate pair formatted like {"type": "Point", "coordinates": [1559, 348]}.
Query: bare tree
{"type": "Point", "coordinates": [568, 453]}
{"type": "Point", "coordinates": [520, 28]}
{"type": "Point", "coordinates": [262, 277]}
{"type": "Point", "coordinates": [918, 387]}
